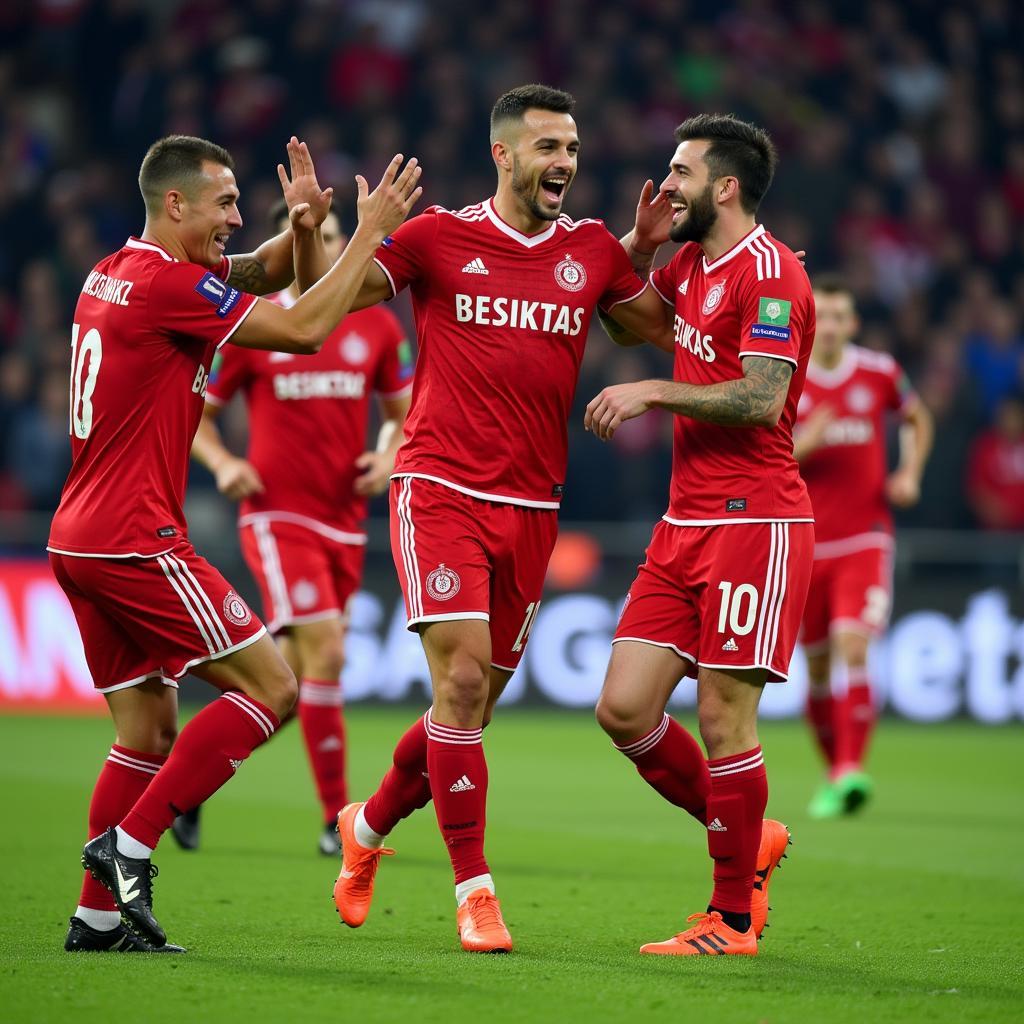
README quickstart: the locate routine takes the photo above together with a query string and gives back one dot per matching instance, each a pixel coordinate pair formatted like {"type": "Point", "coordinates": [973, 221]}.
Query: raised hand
{"type": "Point", "coordinates": [308, 204]}
{"type": "Point", "coordinates": [653, 219]}
{"type": "Point", "coordinates": [383, 209]}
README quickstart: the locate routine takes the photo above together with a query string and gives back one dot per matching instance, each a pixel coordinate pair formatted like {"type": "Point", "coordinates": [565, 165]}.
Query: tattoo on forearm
{"type": "Point", "coordinates": [248, 275]}
{"type": "Point", "coordinates": [737, 403]}
{"type": "Point", "coordinates": [641, 261]}
{"type": "Point", "coordinates": [613, 328]}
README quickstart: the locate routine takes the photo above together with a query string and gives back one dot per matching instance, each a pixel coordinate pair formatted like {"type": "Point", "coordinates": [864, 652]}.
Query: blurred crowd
{"type": "Point", "coordinates": [900, 127]}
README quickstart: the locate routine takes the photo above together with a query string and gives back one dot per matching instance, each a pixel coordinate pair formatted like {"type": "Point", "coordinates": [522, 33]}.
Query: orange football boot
{"type": "Point", "coordinates": [710, 936]}
{"type": "Point", "coordinates": [353, 890]}
{"type": "Point", "coordinates": [481, 928]}
{"type": "Point", "coordinates": [775, 838]}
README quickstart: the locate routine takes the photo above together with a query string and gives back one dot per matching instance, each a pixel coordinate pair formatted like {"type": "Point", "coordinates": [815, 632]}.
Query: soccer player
{"type": "Point", "coordinates": [840, 445]}
{"type": "Point", "coordinates": [726, 573]}
{"type": "Point", "coordinates": [147, 323]}
{"type": "Point", "coordinates": [503, 292]}
{"type": "Point", "coordinates": [303, 488]}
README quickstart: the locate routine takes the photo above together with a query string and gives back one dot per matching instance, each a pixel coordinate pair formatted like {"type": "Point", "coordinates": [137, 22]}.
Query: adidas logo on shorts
{"type": "Point", "coordinates": [730, 645]}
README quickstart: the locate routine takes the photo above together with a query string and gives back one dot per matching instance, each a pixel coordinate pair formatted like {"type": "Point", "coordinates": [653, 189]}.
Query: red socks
{"type": "Point", "coordinates": [671, 761]}
{"type": "Point", "coordinates": [405, 788]}
{"type": "Point", "coordinates": [207, 753]}
{"type": "Point", "coordinates": [821, 712]}
{"type": "Point", "coordinates": [323, 730]}
{"type": "Point", "coordinates": [739, 795]}
{"type": "Point", "coordinates": [122, 780]}
{"type": "Point", "coordinates": [856, 721]}
{"type": "Point", "coordinates": [458, 784]}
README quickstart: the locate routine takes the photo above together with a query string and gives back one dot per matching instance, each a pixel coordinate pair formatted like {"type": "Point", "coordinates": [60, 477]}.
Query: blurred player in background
{"type": "Point", "coordinates": [503, 293]}
{"type": "Point", "coordinates": [303, 487]}
{"type": "Point", "coordinates": [150, 609]}
{"type": "Point", "coordinates": [840, 445]}
{"type": "Point", "coordinates": [722, 589]}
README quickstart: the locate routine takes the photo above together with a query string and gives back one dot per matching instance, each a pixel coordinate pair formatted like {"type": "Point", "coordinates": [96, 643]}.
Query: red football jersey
{"type": "Point", "coordinates": [308, 418]}
{"type": "Point", "coordinates": [146, 328]}
{"type": "Point", "coordinates": [754, 300]}
{"type": "Point", "coordinates": [501, 319]}
{"type": "Point", "coordinates": [846, 475]}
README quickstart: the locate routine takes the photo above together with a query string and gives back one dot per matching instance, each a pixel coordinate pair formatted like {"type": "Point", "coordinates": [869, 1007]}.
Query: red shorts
{"type": "Point", "coordinates": [727, 597]}
{"type": "Point", "coordinates": [459, 557]}
{"type": "Point", "coordinates": [849, 592]}
{"type": "Point", "coordinates": [152, 618]}
{"type": "Point", "coordinates": [303, 576]}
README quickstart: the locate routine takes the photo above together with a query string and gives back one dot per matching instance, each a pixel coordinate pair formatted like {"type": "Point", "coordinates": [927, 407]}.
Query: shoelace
{"type": "Point", "coordinates": [147, 882]}
{"type": "Point", "coordinates": [708, 923]}
{"type": "Point", "coordinates": [485, 911]}
{"type": "Point", "coordinates": [365, 869]}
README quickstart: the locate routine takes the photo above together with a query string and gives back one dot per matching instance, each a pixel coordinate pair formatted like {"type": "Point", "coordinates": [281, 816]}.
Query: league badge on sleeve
{"type": "Point", "coordinates": [218, 292]}
{"type": "Point", "coordinates": [772, 319]}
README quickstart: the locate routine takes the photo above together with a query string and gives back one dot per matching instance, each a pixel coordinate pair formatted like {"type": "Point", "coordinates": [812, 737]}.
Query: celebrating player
{"type": "Point", "coordinates": [304, 486]}
{"type": "Point", "coordinates": [840, 444]}
{"type": "Point", "coordinates": [503, 292]}
{"type": "Point", "coordinates": [723, 585]}
{"type": "Point", "coordinates": [147, 324]}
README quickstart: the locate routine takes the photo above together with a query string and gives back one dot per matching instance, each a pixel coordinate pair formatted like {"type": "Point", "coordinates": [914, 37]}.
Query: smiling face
{"type": "Point", "coordinates": [541, 151]}
{"type": "Point", "coordinates": [690, 190]}
{"type": "Point", "coordinates": [208, 214]}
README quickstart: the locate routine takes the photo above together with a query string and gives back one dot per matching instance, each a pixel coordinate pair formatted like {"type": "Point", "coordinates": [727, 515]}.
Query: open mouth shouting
{"type": "Point", "coordinates": [553, 188]}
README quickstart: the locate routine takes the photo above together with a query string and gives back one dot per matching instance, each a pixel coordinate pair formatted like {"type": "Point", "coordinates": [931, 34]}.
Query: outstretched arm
{"type": "Point", "coordinates": [903, 487]}
{"type": "Point", "coordinates": [754, 400]}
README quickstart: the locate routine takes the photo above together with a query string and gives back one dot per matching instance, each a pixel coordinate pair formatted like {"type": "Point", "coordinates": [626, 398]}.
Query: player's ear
{"type": "Point", "coordinates": [174, 203]}
{"type": "Point", "coordinates": [502, 154]}
{"type": "Point", "coordinates": [728, 188]}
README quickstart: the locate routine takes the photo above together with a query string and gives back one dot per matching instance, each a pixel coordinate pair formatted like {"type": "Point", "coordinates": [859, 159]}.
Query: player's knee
{"type": "Point", "coordinates": [462, 687]}
{"type": "Point", "coordinates": [619, 719]}
{"type": "Point", "coordinates": [279, 690]}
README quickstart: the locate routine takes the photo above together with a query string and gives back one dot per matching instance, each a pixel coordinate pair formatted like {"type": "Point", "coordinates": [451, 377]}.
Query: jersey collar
{"type": "Point", "coordinates": [137, 243]}
{"type": "Point", "coordinates": [839, 373]}
{"type": "Point", "coordinates": [506, 229]}
{"type": "Point", "coordinates": [710, 268]}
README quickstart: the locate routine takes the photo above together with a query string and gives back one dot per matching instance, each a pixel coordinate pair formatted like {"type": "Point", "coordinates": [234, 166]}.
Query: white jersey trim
{"type": "Point", "coordinates": [502, 668]}
{"type": "Point", "coordinates": [137, 243]}
{"type": "Point", "coordinates": [238, 323]}
{"type": "Point", "coordinates": [341, 536]}
{"type": "Point", "coordinates": [387, 274]}
{"type": "Point", "coordinates": [734, 251]}
{"type": "Point", "coordinates": [529, 241]}
{"type": "Point", "coordinates": [101, 554]}
{"type": "Point", "coordinates": [220, 654]}
{"type": "Point", "coordinates": [839, 374]}
{"type": "Point", "coordinates": [631, 298]}
{"type": "Point", "coordinates": [501, 499]}
{"type": "Point", "coordinates": [668, 302]}
{"type": "Point", "coordinates": [155, 674]}
{"type": "Point", "coordinates": [769, 355]}
{"type": "Point", "coordinates": [858, 542]}
{"type": "Point", "coordinates": [401, 393]}
{"type": "Point", "coordinates": [447, 617]}
{"type": "Point", "coordinates": [685, 655]}
{"type": "Point", "coordinates": [726, 522]}
{"type": "Point", "coordinates": [301, 620]}
{"type": "Point", "coordinates": [783, 677]}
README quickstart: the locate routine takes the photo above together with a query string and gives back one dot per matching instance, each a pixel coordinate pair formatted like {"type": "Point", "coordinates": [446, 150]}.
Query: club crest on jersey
{"type": "Point", "coordinates": [236, 610]}
{"type": "Point", "coordinates": [713, 299]}
{"type": "Point", "coordinates": [570, 274]}
{"type": "Point", "coordinates": [443, 583]}
{"type": "Point", "coordinates": [355, 348]}
{"type": "Point", "coordinates": [304, 594]}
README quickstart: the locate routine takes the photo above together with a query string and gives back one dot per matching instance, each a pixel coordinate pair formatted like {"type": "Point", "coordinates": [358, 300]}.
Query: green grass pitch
{"type": "Point", "coordinates": [910, 912]}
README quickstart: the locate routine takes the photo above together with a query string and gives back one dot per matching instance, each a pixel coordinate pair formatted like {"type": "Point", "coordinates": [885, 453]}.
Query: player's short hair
{"type": "Point", "coordinates": [176, 161]}
{"type": "Point", "coordinates": [512, 105]}
{"type": "Point", "coordinates": [738, 148]}
{"type": "Point", "coordinates": [832, 283]}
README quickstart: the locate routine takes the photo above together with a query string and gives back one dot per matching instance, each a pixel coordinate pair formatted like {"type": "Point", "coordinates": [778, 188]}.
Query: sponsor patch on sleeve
{"type": "Point", "coordinates": [767, 331]}
{"type": "Point", "coordinates": [218, 293]}
{"type": "Point", "coordinates": [406, 364]}
{"type": "Point", "coordinates": [772, 319]}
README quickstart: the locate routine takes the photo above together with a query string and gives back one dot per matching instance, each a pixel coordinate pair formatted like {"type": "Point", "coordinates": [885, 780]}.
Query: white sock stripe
{"type": "Point", "coordinates": [408, 545]}
{"type": "Point", "coordinates": [141, 761]}
{"type": "Point", "coordinates": [783, 579]}
{"type": "Point", "coordinates": [204, 599]}
{"type": "Point", "coordinates": [765, 595]}
{"type": "Point", "coordinates": [216, 629]}
{"type": "Point", "coordinates": [257, 716]}
{"type": "Point", "coordinates": [320, 695]}
{"type": "Point", "coordinates": [255, 708]}
{"type": "Point", "coordinates": [446, 734]}
{"type": "Point", "coordinates": [270, 560]}
{"type": "Point", "coordinates": [137, 766]}
{"type": "Point", "coordinates": [186, 601]}
{"type": "Point", "coordinates": [758, 755]}
{"type": "Point", "coordinates": [645, 743]}
{"type": "Point", "coordinates": [730, 770]}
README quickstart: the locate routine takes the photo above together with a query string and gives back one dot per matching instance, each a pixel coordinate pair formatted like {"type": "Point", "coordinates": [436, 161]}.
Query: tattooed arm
{"type": "Point", "coordinates": [269, 269]}
{"type": "Point", "coordinates": [754, 400]}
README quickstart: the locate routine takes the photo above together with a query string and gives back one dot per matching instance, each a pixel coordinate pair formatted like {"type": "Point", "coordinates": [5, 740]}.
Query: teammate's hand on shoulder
{"type": "Point", "coordinates": [383, 210]}
{"type": "Point", "coordinates": [308, 204]}
{"type": "Point", "coordinates": [903, 489]}
{"type": "Point", "coordinates": [237, 478]}
{"type": "Point", "coordinates": [616, 404]}
{"type": "Point", "coordinates": [653, 219]}
{"type": "Point", "coordinates": [375, 472]}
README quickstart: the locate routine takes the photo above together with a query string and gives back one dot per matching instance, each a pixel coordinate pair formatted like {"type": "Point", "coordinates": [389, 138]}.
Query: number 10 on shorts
{"type": "Point", "coordinates": [738, 608]}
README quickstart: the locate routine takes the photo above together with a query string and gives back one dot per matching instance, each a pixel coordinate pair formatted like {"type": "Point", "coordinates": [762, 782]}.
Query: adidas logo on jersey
{"type": "Point", "coordinates": [475, 266]}
{"type": "Point", "coordinates": [462, 785]}
{"type": "Point", "coordinates": [730, 645]}
{"type": "Point", "coordinates": [684, 286]}
{"type": "Point", "coordinates": [715, 825]}
{"type": "Point", "coordinates": [234, 764]}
